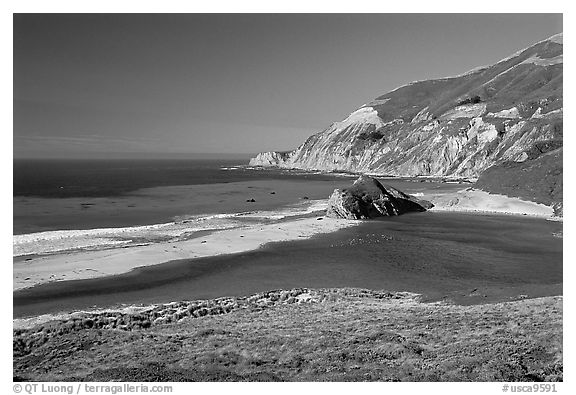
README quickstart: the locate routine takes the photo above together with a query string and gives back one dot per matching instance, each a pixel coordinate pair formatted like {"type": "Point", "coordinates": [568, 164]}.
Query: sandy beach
{"type": "Point", "coordinates": [92, 264]}
{"type": "Point", "coordinates": [224, 235]}
{"type": "Point", "coordinates": [474, 200]}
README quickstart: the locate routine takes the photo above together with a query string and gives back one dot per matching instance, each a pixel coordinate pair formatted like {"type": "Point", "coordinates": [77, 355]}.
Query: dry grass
{"type": "Point", "coordinates": [346, 338]}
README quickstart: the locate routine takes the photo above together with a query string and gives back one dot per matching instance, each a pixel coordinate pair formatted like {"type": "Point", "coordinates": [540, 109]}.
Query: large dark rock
{"type": "Point", "coordinates": [368, 198]}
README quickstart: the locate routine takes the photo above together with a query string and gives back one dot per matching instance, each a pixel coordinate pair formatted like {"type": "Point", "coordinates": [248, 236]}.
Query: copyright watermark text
{"type": "Point", "coordinates": [529, 387]}
{"type": "Point", "coordinates": [87, 388]}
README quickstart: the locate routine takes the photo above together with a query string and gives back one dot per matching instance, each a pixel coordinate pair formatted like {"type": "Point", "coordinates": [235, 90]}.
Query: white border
{"type": "Point", "coordinates": [367, 6]}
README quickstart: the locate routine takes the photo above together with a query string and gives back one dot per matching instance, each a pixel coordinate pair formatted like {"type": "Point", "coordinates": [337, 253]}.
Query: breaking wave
{"type": "Point", "coordinates": [181, 228]}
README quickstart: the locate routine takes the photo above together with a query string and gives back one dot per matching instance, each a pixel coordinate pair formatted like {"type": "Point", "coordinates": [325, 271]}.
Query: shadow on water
{"type": "Point", "coordinates": [464, 258]}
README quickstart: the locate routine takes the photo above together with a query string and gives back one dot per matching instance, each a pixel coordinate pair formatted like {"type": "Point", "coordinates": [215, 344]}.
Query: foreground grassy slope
{"type": "Point", "coordinates": [344, 335]}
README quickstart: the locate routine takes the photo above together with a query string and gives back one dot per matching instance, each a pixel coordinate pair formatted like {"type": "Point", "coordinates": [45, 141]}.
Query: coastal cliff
{"type": "Point", "coordinates": [456, 126]}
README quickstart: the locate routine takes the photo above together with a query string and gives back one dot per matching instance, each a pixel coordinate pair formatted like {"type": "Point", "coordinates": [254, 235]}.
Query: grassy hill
{"type": "Point", "coordinates": [319, 335]}
{"type": "Point", "coordinates": [538, 178]}
{"type": "Point", "coordinates": [507, 83]}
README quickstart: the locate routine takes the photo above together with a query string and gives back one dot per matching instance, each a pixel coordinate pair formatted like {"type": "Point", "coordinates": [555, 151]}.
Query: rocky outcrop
{"type": "Point", "coordinates": [368, 198]}
{"type": "Point", "coordinates": [455, 126]}
{"type": "Point", "coordinates": [270, 158]}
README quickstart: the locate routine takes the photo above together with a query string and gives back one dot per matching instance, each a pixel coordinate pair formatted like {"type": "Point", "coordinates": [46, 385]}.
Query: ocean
{"type": "Point", "coordinates": [64, 208]}
{"type": "Point", "coordinates": [86, 194]}
{"type": "Point", "coordinates": [99, 178]}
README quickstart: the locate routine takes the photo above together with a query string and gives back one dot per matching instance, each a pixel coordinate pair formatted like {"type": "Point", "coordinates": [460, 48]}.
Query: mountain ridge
{"type": "Point", "coordinates": [455, 126]}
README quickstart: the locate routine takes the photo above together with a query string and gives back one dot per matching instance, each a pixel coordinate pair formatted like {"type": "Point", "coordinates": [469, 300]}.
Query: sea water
{"type": "Point", "coordinates": [73, 205]}
{"type": "Point", "coordinates": [62, 206]}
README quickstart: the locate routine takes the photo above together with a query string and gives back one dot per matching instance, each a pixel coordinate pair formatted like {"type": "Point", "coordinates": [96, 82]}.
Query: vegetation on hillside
{"type": "Point", "coordinates": [339, 335]}
{"type": "Point", "coordinates": [538, 178]}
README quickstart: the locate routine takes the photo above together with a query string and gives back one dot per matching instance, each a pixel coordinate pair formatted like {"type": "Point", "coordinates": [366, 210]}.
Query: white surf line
{"type": "Point", "coordinates": [59, 241]}
{"type": "Point", "coordinates": [100, 263]}
{"type": "Point", "coordinates": [243, 237]}
{"type": "Point", "coordinates": [67, 240]}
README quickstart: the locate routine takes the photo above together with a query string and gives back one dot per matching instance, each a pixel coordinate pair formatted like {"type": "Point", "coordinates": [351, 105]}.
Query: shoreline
{"type": "Point", "coordinates": [103, 263]}
{"type": "Point", "coordinates": [162, 204]}
{"type": "Point", "coordinates": [471, 200]}
{"type": "Point", "coordinates": [174, 311]}
{"type": "Point", "coordinates": [345, 173]}
{"type": "Point", "coordinates": [490, 258]}
{"type": "Point", "coordinates": [242, 237]}
{"type": "Point", "coordinates": [181, 228]}
{"type": "Point", "coordinates": [164, 312]}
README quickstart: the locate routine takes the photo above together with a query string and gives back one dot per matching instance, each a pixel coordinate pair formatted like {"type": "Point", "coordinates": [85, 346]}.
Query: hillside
{"type": "Point", "coordinates": [537, 178]}
{"type": "Point", "coordinates": [456, 126]}
{"type": "Point", "coordinates": [317, 335]}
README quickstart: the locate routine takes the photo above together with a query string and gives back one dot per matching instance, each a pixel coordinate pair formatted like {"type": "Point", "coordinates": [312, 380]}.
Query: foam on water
{"type": "Point", "coordinates": [296, 210]}
{"type": "Point", "coordinates": [183, 227]}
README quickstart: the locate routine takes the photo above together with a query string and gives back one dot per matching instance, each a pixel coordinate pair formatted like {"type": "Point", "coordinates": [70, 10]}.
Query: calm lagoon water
{"type": "Point", "coordinates": [465, 258]}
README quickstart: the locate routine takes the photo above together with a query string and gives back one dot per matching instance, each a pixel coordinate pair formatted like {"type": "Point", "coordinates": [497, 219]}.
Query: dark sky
{"type": "Point", "coordinates": [158, 84]}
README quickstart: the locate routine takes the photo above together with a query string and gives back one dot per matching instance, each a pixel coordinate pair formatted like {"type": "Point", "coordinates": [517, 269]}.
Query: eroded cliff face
{"type": "Point", "coordinates": [456, 126]}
